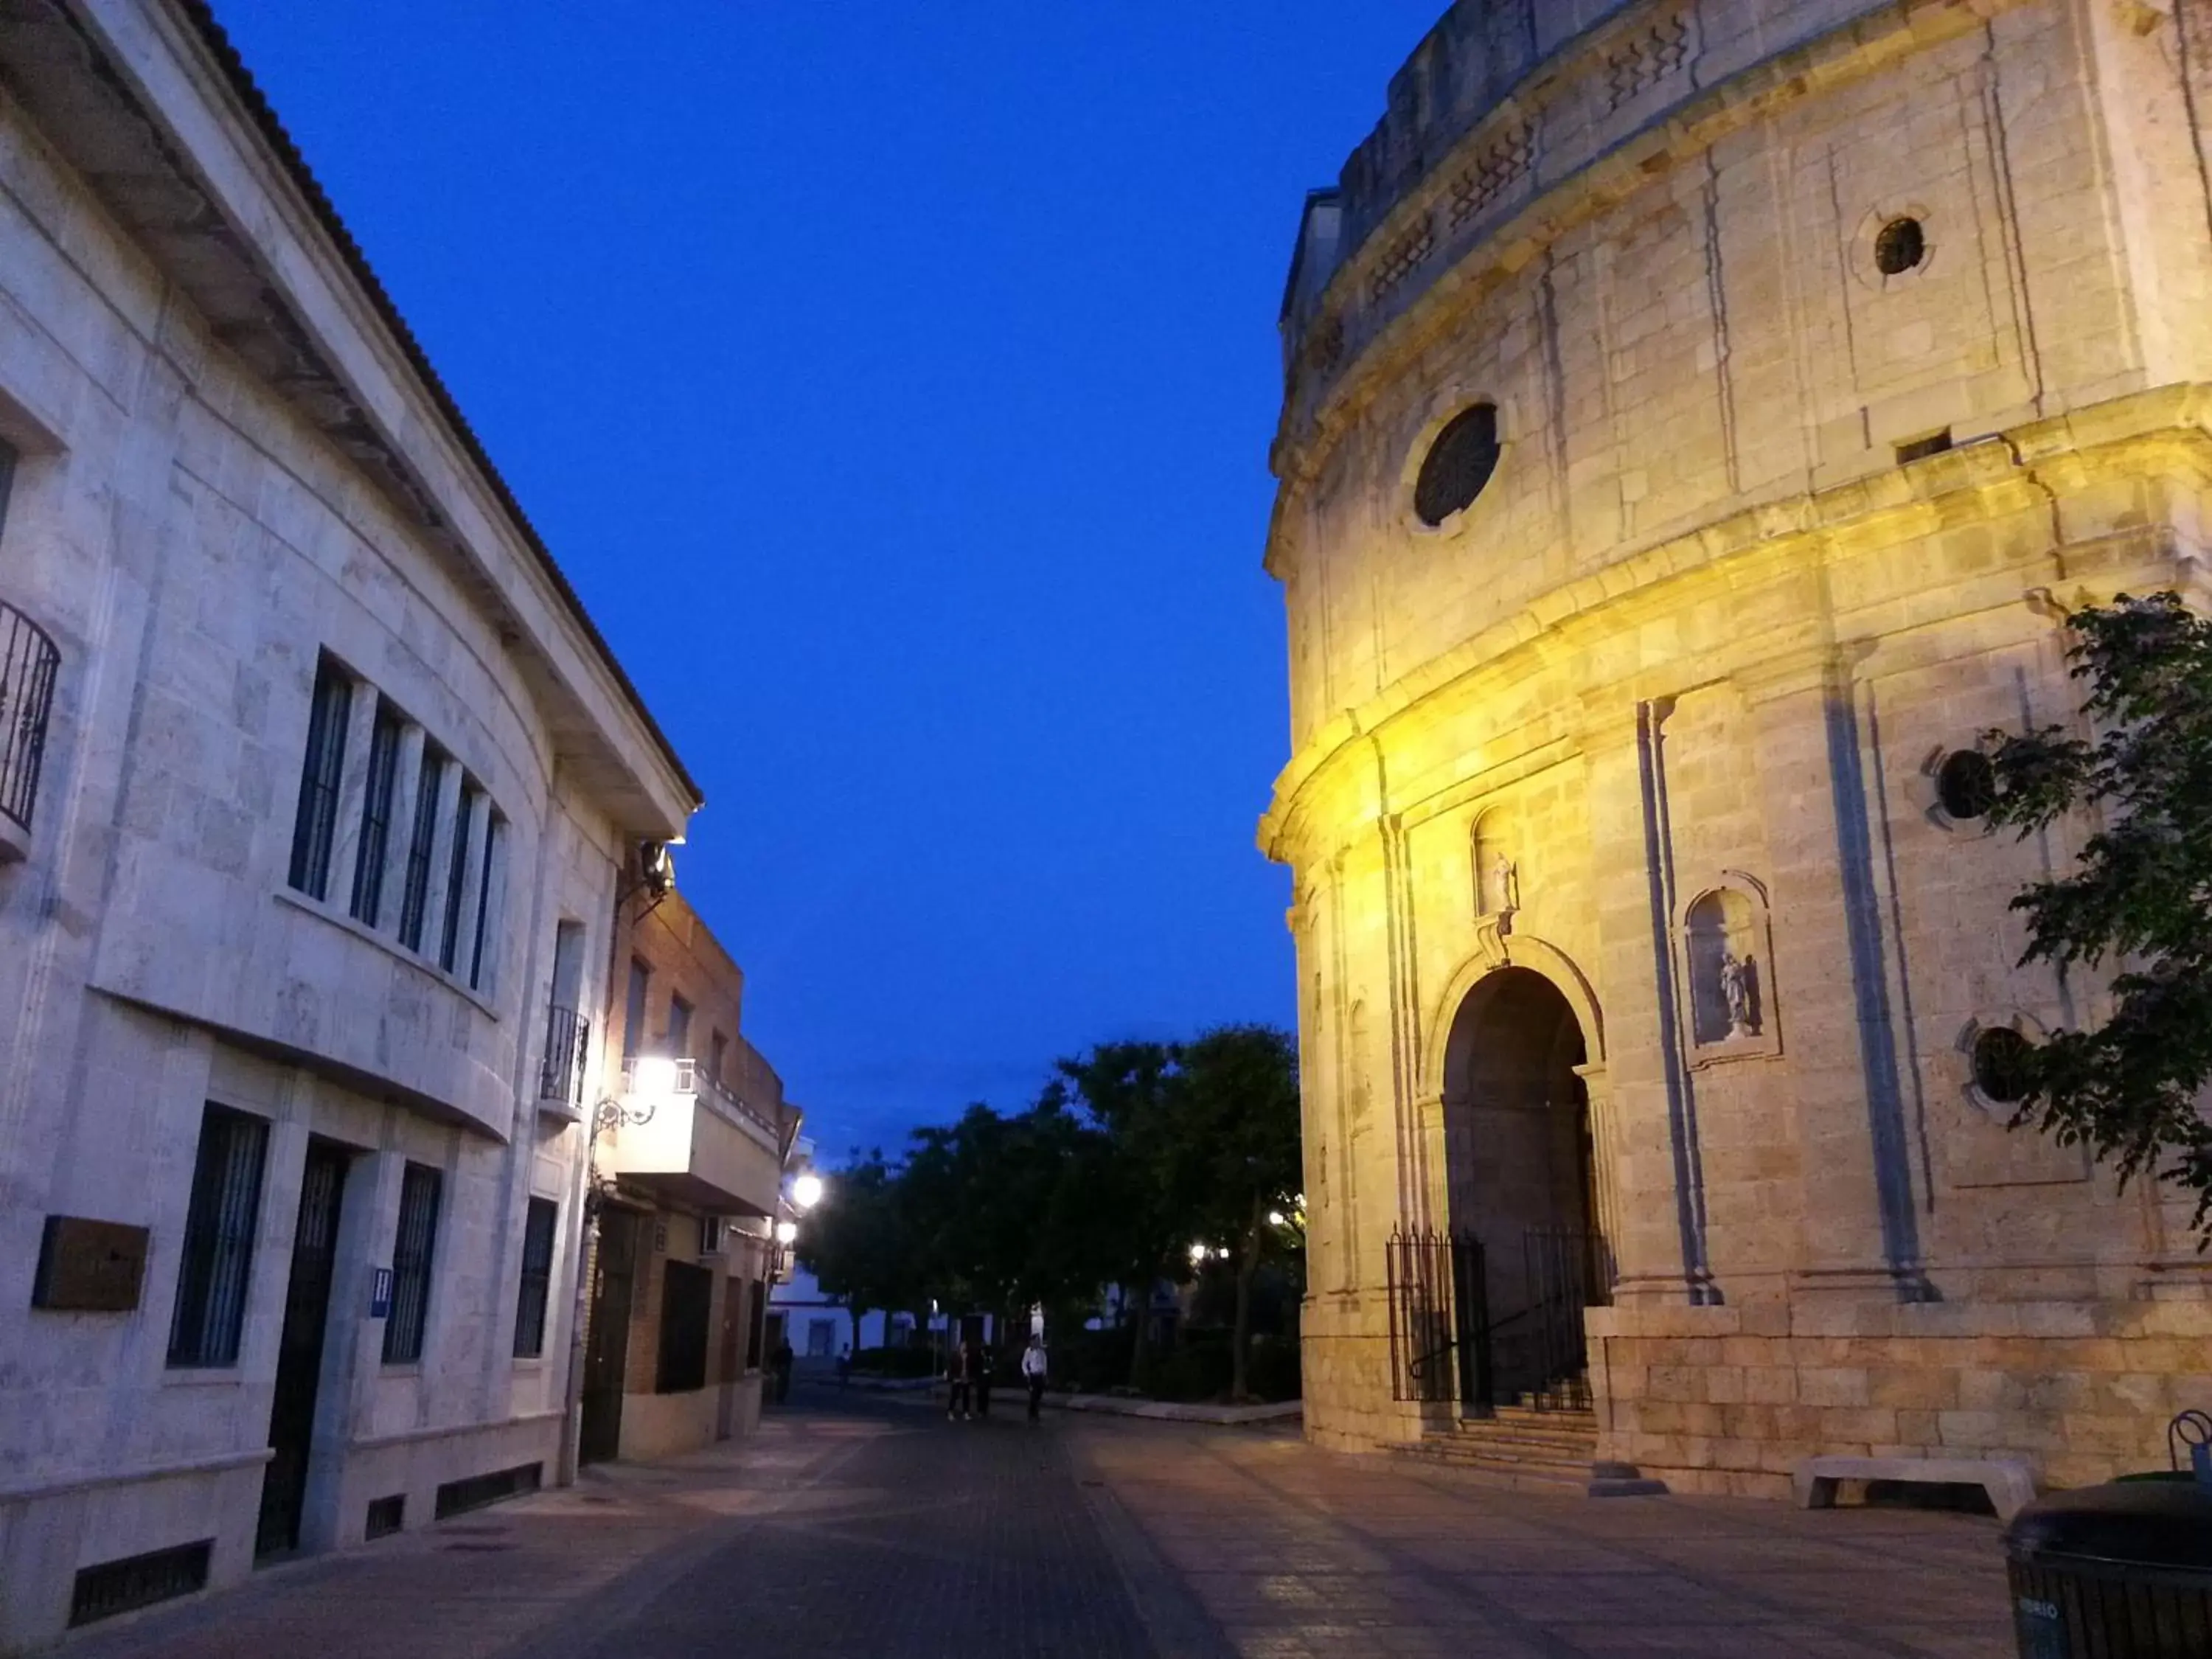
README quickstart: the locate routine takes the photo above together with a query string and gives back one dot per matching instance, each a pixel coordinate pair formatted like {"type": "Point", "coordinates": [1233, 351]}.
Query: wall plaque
{"type": "Point", "coordinates": [89, 1266]}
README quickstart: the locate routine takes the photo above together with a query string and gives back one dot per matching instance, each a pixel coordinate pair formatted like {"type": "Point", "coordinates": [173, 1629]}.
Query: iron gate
{"type": "Point", "coordinates": [1439, 1318]}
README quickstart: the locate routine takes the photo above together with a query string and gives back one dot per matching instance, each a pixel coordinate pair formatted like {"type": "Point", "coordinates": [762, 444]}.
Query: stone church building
{"type": "Point", "coordinates": [1701, 416]}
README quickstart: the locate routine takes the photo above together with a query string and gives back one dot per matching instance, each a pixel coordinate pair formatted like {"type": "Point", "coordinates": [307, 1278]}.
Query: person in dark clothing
{"type": "Point", "coordinates": [955, 1373]}
{"type": "Point", "coordinates": [783, 1371]}
{"type": "Point", "coordinates": [982, 1369]}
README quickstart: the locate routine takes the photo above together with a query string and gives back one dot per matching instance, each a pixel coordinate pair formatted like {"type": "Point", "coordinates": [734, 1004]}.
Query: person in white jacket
{"type": "Point", "coordinates": [1033, 1373]}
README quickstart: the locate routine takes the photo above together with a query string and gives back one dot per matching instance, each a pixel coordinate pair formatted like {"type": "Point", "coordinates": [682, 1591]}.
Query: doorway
{"type": "Point", "coordinates": [606, 1352]}
{"type": "Point", "coordinates": [300, 1349]}
{"type": "Point", "coordinates": [1521, 1167]}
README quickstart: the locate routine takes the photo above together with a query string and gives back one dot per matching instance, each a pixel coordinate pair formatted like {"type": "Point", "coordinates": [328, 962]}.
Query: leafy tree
{"type": "Point", "coordinates": [854, 1243]}
{"type": "Point", "coordinates": [1234, 1101]}
{"type": "Point", "coordinates": [2140, 900]}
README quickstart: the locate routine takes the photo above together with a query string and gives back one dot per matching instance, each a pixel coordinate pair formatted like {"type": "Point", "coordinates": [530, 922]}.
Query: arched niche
{"type": "Point", "coordinates": [1726, 955]}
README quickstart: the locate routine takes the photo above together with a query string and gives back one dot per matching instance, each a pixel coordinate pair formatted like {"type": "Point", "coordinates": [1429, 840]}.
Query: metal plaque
{"type": "Point", "coordinates": [380, 1294]}
{"type": "Point", "coordinates": [89, 1266]}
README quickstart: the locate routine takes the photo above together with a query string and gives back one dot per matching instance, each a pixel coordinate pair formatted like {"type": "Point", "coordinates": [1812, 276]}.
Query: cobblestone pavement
{"type": "Point", "coordinates": [853, 1525]}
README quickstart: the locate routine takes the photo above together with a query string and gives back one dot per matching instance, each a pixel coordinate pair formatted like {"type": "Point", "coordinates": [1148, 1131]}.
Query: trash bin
{"type": "Point", "coordinates": [2117, 1571]}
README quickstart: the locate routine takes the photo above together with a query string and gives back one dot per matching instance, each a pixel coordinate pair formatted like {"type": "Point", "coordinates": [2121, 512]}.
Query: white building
{"type": "Point", "coordinates": [315, 781]}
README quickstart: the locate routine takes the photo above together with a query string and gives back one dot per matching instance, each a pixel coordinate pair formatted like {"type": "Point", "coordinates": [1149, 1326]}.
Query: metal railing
{"type": "Point", "coordinates": [1566, 1270]}
{"type": "Point", "coordinates": [29, 661]}
{"type": "Point", "coordinates": [567, 1039]}
{"type": "Point", "coordinates": [1439, 1318]}
{"type": "Point", "coordinates": [694, 1078]}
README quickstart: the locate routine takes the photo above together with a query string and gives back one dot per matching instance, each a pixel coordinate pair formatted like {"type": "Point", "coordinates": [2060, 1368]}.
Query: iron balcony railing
{"type": "Point", "coordinates": [30, 661]}
{"type": "Point", "coordinates": [567, 1036]}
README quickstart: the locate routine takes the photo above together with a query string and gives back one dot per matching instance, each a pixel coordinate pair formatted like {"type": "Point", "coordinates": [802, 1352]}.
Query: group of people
{"type": "Point", "coordinates": [968, 1370]}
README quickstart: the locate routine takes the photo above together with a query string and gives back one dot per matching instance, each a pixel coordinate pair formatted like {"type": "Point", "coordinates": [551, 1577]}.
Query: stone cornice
{"type": "Point", "coordinates": [146, 99]}
{"type": "Point", "coordinates": [2165, 432]}
{"type": "Point", "coordinates": [1371, 327]}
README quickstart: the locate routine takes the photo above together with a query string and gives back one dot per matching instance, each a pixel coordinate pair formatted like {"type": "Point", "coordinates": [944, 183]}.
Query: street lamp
{"type": "Point", "coordinates": [806, 1191]}
{"type": "Point", "coordinates": [787, 1233]}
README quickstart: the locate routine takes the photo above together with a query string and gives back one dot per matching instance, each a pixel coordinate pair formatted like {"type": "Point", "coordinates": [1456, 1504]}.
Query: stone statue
{"type": "Point", "coordinates": [1735, 989]}
{"type": "Point", "coordinates": [1507, 875]}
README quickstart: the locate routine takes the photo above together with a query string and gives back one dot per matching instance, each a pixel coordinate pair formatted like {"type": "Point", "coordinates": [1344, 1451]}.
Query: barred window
{"type": "Point", "coordinates": [536, 1278]}
{"type": "Point", "coordinates": [318, 813]}
{"type": "Point", "coordinates": [411, 1257]}
{"type": "Point", "coordinates": [487, 940]}
{"type": "Point", "coordinates": [1458, 465]}
{"type": "Point", "coordinates": [376, 814]}
{"type": "Point", "coordinates": [457, 873]}
{"type": "Point", "coordinates": [219, 1228]}
{"type": "Point", "coordinates": [415, 899]}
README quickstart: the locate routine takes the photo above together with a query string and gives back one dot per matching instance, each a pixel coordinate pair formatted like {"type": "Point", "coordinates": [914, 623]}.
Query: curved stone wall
{"type": "Point", "coordinates": [1835, 349]}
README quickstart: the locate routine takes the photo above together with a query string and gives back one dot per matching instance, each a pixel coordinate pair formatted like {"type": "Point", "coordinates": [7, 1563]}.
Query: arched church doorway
{"type": "Point", "coordinates": [1521, 1170]}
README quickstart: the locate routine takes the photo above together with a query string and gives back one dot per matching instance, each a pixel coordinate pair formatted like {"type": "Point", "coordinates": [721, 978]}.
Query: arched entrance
{"type": "Point", "coordinates": [1520, 1162]}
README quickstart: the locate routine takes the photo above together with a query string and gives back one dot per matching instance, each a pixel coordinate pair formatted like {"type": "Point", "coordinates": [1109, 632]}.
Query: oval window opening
{"type": "Point", "coordinates": [1966, 785]}
{"type": "Point", "coordinates": [1458, 466]}
{"type": "Point", "coordinates": [1901, 245]}
{"type": "Point", "coordinates": [2001, 1060]}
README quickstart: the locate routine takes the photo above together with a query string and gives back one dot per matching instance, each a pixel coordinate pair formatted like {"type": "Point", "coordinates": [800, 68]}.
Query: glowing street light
{"type": "Point", "coordinates": [787, 1233]}
{"type": "Point", "coordinates": [806, 1191]}
{"type": "Point", "coordinates": [652, 1078]}
{"type": "Point", "coordinates": [1276, 1219]}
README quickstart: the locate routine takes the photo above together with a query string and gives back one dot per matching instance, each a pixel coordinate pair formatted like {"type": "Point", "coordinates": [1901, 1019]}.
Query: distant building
{"type": "Point", "coordinates": [819, 1328]}
{"type": "Point", "coordinates": [1698, 420]}
{"type": "Point", "coordinates": [687, 1177]}
{"type": "Point", "coordinates": [316, 784]}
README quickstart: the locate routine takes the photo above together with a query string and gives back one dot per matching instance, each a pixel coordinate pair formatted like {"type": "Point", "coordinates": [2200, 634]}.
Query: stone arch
{"type": "Point", "coordinates": [1516, 951]}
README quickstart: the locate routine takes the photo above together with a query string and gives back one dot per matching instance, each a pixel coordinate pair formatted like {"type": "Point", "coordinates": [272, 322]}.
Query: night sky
{"type": "Point", "coordinates": [894, 382]}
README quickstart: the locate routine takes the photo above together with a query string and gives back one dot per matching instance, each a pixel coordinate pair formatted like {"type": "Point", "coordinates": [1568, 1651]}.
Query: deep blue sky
{"type": "Point", "coordinates": [895, 381]}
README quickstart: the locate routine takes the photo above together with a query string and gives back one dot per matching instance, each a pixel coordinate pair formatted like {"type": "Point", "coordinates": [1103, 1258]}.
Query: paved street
{"type": "Point", "coordinates": [871, 1526]}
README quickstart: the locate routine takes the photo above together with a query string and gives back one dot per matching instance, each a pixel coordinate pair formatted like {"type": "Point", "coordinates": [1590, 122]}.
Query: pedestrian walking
{"type": "Point", "coordinates": [955, 1374]}
{"type": "Point", "coordinates": [845, 1367]}
{"type": "Point", "coordinates": [1033, 1373]}
{"type": "Point", "coordinates": [983, 1376]}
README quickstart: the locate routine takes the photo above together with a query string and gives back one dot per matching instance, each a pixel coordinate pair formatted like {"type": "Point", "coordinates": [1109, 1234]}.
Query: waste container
{"type": "Point", "coordinates": [2117, 1571]}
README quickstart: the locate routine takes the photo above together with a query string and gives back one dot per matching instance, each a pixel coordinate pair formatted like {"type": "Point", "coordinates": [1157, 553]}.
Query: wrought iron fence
{"type": "Point", "coordinates": [1439, 1318]}
{"type": "Point", "coordinates": [30, 661]}
{"type": "Point", "coordinates": [567, 1037]}
{"type": "Point", "coordinates": [1567, 1271]}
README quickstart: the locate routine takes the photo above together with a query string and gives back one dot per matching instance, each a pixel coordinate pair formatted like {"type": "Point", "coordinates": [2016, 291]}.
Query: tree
{"type": "Point", "coordinates": [854, 1242]}
{"type": "Point", "coordinates": [1234, 1101]}
{"type": "Point", "coordinates": [2140, 899]}
{"type": "Point", "coordinates": [1147, 1222]}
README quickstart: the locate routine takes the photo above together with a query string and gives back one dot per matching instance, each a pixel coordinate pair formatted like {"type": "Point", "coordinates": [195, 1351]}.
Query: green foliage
{"type": "Point", "coordinates": [2140, 899]}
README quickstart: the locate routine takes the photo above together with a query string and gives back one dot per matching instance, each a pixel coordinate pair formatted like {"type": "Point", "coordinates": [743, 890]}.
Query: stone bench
{"type": "Point", "coordinates": [2009, 1482]}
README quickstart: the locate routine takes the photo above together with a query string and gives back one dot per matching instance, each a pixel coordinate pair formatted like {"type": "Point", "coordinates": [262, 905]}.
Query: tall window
{"type": "Point", "coordinates": [537, 1280]}
{"type": "Point", "coordinates": [718, 1057]}
{"type": "Point", "coordinates": [376, 814]}
{"type": "Point", "coordinates": [679, 1028]}
{"type": "Point", "coordinates": [415, 898]}
{"type": "Point", "coordinates": [411, 1257]}
{"type": "Point", "coordinates": [318, 815]}
{"type": "Point", "coordinates": [457, 873]}
{"type": "Point", "coordinates": [687, 1294]}
{"type": "Point", "coordinates": [219, 1227]}
{"type": "Point", "coordinates": [486, 940]}
{"type": "Point", "coordinates": [640, 980]}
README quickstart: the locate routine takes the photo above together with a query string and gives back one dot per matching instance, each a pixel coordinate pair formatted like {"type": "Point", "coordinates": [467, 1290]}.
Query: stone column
{"type": "Point", "coordinates": [1640, 1092]}
{"type": "Point", "coordinates": [1859, 1222]}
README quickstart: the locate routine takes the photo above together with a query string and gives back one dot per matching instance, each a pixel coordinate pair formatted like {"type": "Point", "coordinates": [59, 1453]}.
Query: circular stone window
{"type": "Point", "coordinates": [2001, 1060]}
{"type": "Point", "coordinates": [1900, 247]}
{"type": "Point", "coordinates": [1965, 786]}
{"type": "Point", "coordinates": [1458, 465]}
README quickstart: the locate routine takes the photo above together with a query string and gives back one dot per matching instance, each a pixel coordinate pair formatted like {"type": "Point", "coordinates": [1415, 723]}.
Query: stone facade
{"type": "Point", "coordinates": [1835, 349]}
{"type": "Point", "coordinates": [236, 486]}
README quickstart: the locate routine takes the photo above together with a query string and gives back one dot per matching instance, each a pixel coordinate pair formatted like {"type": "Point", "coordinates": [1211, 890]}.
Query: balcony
{"type": "Point", "coordinates": [30, 661]}
{"type": "Point", "coordinates": [561, 1074]}
{"type": "Point", "coordinates": [700, 1144]}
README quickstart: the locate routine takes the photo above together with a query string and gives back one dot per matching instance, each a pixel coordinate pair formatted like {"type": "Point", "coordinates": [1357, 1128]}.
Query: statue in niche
{"type": "Point", "coordinates": [1724, 989]}
{"type": "Point", "coordinates": [1505, 883]}
{"type": "Point", "coordinates": [1497, 872]}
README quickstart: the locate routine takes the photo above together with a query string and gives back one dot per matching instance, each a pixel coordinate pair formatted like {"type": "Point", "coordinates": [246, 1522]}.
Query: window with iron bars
{"type": "Point", "coordinates": [411, 1257]}
{"type": "Point", "coordinates": [315, 821]}
{"type": "Point", "coordinates": [217, 1264]}
{"type": "Point", "coordinates": [415, 896]}
{"type": "Point", "coordinates": [376, 814]}
{"type": "Point", "coordinates": [457, 871]}
{"type": "Point", "coordinates": [536, 1278]}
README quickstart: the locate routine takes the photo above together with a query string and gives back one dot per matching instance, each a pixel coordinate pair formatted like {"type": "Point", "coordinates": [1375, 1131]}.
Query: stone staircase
{"type": "Point", "coordinates": [1518, 1446]}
